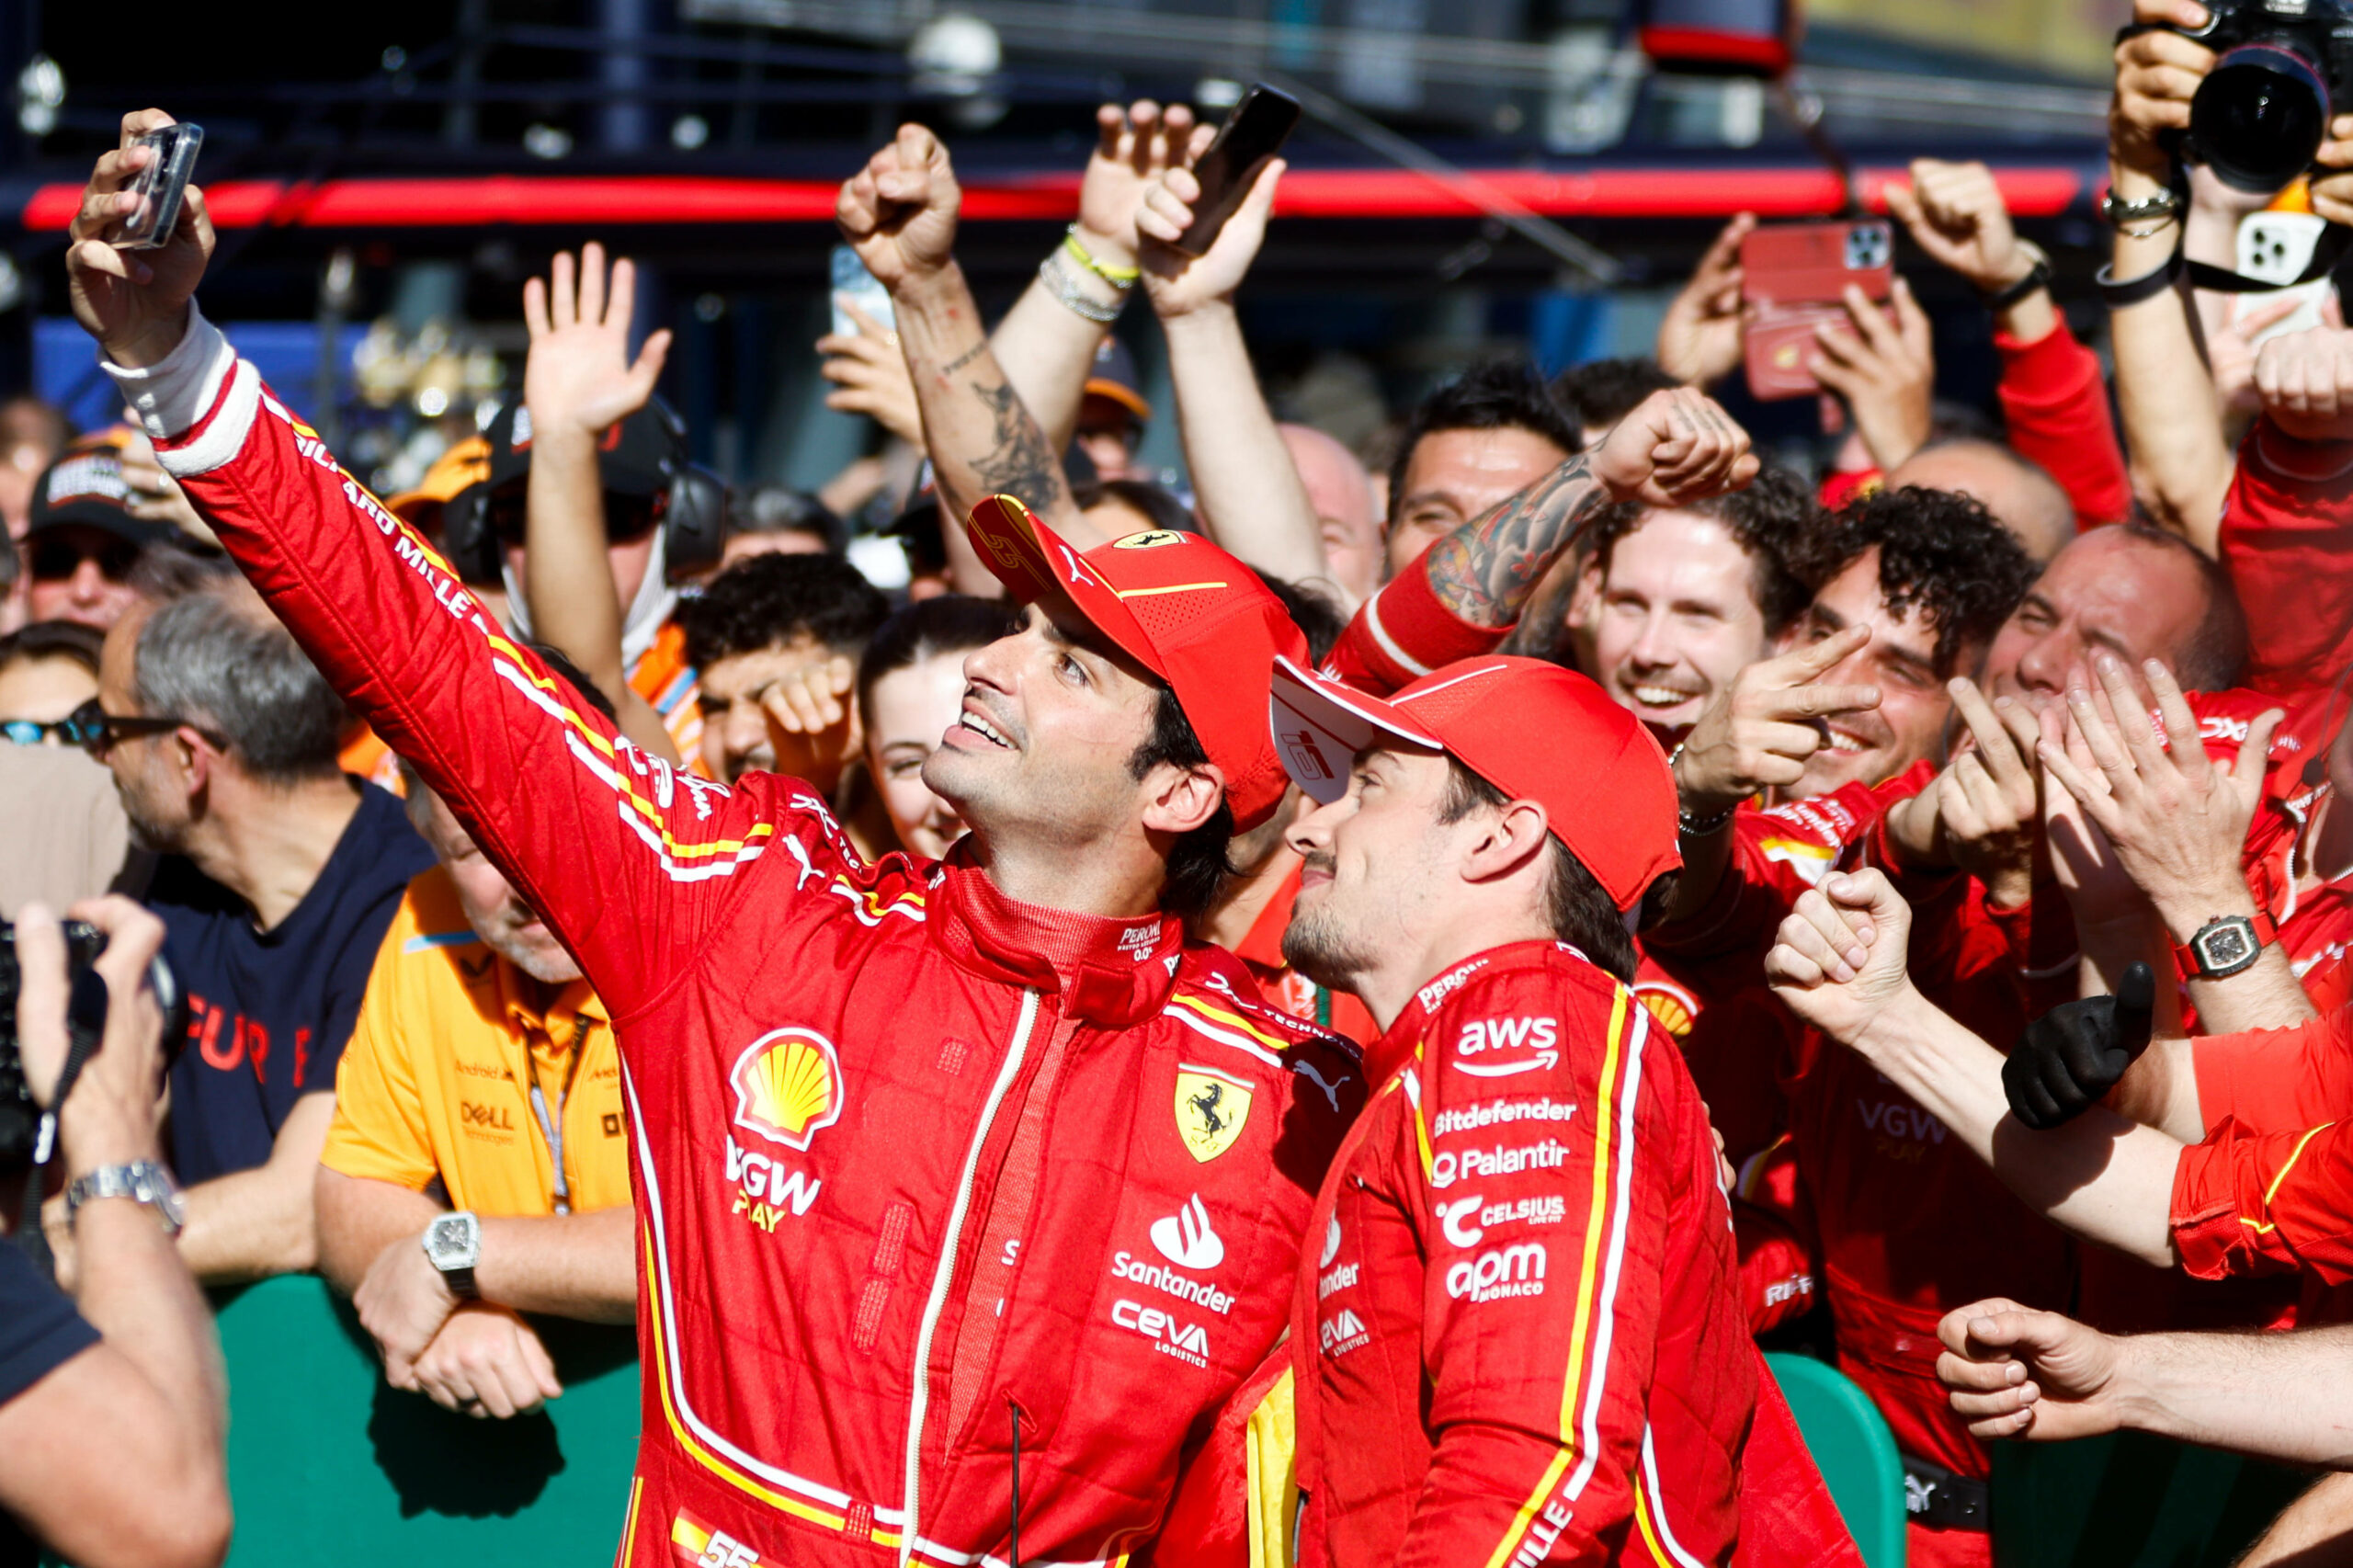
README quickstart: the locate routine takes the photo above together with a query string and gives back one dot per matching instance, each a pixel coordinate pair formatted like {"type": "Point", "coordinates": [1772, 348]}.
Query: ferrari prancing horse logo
{"type": "Point", "coordinates": [1211, 1110]}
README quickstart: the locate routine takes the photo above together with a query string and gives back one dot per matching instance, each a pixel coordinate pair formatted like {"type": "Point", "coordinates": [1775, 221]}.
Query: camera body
{"type": "Point", "coordinates": [2284, 67]}
{"type": "Point", "coordinates": [85, 1018]}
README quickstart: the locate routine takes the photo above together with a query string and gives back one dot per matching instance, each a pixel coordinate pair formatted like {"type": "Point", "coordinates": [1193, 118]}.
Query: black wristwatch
{"type": "Point", "coordinates": [2038, 276]}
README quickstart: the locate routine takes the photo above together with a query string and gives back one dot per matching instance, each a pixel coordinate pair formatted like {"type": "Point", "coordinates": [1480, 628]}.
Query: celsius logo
{"type": "Point", "coordinates": [1185, 1238]}
{"type": "Point", "coordinates": [1331, 1243]}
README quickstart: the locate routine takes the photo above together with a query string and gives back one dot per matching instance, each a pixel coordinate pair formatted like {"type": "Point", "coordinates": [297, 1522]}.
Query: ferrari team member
{"type": "Point", "coordinates": [1519, 1342]}
{"type": "Point", "coordinates": [868, 1061]}
{"type": "Point", "coordinates": [876, 1255]}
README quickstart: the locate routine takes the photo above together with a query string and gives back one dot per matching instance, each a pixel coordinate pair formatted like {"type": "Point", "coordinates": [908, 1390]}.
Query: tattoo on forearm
{"type": "Point", "coordinates": [966, 358]}
{"type": "Point", "coordinates": [1020, 465]}
{"type": "Point", "coordinates": [1484, 570]}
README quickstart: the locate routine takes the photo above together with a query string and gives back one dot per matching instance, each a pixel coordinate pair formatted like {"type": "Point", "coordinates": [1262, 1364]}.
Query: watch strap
{"type": "Point", "coordinates": [2190, 966]}
{"type": "Point", "coordinates": [142, 1181]}
{"type": "Point", "coordinates": [2038, 277]}
{"type": "Point", "coordinates": [460, 1282]}
{"type": "Point", "coordinates": [2117, 294]}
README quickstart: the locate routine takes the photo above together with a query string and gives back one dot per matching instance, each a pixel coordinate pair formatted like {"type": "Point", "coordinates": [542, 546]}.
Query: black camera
{"type": "Point", "coordinates": [2261, 114]}
{"type": "Point", "coordinates": [86, 1022]}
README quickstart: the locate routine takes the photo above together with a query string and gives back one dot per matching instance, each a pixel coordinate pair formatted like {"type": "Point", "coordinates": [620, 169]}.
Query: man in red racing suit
{"type": "Point", "coordinates": [1520, 1341]}
{"type": "Point", "coordinates": [923, 1171]}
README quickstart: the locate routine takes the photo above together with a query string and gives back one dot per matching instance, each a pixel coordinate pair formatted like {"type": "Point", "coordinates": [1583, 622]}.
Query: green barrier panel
{"type": "Point", "coordinates": [2131, 1501]}
{"type": "Point", "coordinates": [328, 1464]}
{"type": "Point", "coordinates": [1854, 1450]}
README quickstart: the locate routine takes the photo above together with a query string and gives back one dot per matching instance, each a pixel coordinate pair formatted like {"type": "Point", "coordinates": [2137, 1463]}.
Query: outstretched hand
{"type": "Point", "coordinates": [2017, 1372]}
{"type": "Point", "coordinates": [1699, 337]}
{"type": "Point", "coordinates": [579, 375]}
{"type": "Point", "coordinates": [2075, 1053]}
{"type": "Point", "coordinates": [1675, 448]}
{"type": "Point", "coordinates": [134, 301]}
{"type": "Point", "coordinates": [1839, 962]}
{"type": "Point", "coordinates": [1133, 147]}
{"type": "Point", "coordinates": [899, 211]}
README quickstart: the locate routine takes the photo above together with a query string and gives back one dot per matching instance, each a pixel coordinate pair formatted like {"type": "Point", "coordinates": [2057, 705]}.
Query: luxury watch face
{"type": "Point", "coordinates": [2223, 948]}
{"type": "Point", "coordinates": [452, 1240]}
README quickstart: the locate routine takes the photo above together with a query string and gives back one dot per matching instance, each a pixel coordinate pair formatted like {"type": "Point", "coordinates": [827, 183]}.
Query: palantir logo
{"type": "Point", "coordinates": [1185, 1238]}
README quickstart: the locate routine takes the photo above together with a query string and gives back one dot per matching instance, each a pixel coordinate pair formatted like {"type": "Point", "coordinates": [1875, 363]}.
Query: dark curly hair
{"type": "Point", "coordinates": [1600, 392]}
{"type": "Point", "coordinates": [1776, 521]}
{"type": "Point", "coordinates": [766, 600]}
{"type": "Point", "coordinates": [1494, 394]}
{"type": "Point", "coordinates": [1939, 552]}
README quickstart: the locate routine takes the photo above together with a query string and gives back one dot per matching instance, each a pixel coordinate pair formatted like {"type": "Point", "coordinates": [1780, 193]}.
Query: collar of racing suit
{"type": "Point", "coordinates": [1110, 972]}
{"type": "Point", "coordinates": [1395, 1048]}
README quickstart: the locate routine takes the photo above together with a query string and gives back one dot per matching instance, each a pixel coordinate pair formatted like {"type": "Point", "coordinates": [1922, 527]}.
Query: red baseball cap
{"type": "Point", "coordinates": [1184, 609]}
{"type": "Point", "coordinates": [1533, 730]}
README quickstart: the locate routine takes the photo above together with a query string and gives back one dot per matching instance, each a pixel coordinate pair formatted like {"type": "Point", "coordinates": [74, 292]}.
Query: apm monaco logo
{"type": "Point", "coordinates": [787, 1086]}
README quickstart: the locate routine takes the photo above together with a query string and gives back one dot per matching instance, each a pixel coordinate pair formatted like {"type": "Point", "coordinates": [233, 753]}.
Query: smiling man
{"type": "Point", "coordinates": [1682, 599]}
{"type": "Point", "coordinates": [904, 1135]}
{"type": "Point", "coordinates": [1522, 1326]}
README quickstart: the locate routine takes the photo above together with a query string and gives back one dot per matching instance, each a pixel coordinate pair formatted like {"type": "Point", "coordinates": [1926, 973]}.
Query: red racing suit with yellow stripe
{"type": "Point", "coordinates": [1522, 1343]}
{"type": "Point", "coordinates": [921, 1172]}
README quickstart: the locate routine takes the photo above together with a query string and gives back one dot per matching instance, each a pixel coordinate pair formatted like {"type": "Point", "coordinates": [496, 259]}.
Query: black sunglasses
{"type": "Point", "coordinates": [97, 732]}
{"type": "Point", "coordinates": [55, 560]}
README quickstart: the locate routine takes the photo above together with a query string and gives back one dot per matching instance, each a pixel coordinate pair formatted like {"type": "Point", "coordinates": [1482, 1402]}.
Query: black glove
{"type": "Point", "coordinates": [2075, 1053]}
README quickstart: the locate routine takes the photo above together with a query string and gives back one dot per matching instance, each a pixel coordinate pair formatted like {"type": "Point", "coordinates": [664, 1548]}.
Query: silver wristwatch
{"type": "Point", "coordinates": [142, 1181]}
{"type": "Point", "coordinates": [453, 1243]}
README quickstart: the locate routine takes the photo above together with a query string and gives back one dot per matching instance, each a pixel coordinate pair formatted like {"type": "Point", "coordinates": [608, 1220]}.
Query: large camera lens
{"type": "Point", "coordinates": [2259, 117]}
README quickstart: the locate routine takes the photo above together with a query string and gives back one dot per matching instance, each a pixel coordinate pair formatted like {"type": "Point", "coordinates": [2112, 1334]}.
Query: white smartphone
{"type": "Point", "coordinates": [858, 286]}
{"type": "Point", "coordinates": [2276, 248]}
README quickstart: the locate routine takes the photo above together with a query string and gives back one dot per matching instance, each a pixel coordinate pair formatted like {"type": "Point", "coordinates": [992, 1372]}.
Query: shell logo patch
{"type": "Point", "coordinates": [1150, 538]}
{"type": "Point", "coordinates": [787, 1086]}
{"type": "Point", "coordinates": [1211, 1110]}
{"type": "Point", "coordinates": [1672, 1005]}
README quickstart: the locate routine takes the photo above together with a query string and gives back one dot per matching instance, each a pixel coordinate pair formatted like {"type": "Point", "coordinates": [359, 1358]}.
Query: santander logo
{"type": "Point", "coordinates": [1185, 1238]}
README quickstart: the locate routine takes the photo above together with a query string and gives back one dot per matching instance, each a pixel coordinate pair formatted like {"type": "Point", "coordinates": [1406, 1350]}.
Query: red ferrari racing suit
{"type": "Point", "coordinates": [919, 1169]}
{"type": "Point", "coordinates": [1521, 1343]}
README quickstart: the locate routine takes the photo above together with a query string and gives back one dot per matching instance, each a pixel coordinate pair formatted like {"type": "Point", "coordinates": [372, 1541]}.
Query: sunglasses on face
{"type": "Point", "coordinates": [33, 732]}
{"type": "Point", "coordinates": [56, 560]}
{"type": "Point", "coordinates": [97, 732]}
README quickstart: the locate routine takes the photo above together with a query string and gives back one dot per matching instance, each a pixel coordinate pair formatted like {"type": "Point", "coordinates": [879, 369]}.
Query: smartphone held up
{"type": "Point", "coordinates": [1251, 136]}
{"type": "Point", "coordinates": [161, 187]}
{"type": "Point", "coordinates": [1795, 277]}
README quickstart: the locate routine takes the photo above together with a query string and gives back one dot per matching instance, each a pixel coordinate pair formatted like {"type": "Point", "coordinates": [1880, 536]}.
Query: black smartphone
{"type": "Point", "coordinates": [160, 187]}
{"type": "Point", "coordinates": [1253, 134]}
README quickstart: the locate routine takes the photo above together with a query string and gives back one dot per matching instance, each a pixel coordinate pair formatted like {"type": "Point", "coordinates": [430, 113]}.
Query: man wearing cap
{"type": "Point", "coordinates": [936, 1162]}
{"type": "Point", "coordinates": [1520, 1340]}
{"type": "Point", "coordinates": [1113, 413]}
{"type": "Point", "coordinates": [84, 539]}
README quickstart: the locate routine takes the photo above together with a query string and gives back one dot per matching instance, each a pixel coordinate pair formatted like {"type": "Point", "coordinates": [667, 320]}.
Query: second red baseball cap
{"type": "Point", "coordinates": [1533, 730]}
{"type": "Point", "coordinates": [1184, 609]}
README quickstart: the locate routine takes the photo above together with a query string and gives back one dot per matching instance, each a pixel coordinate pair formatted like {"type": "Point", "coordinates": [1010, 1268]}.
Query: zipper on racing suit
{"type": "Point", "coordinates": [943, 1274]}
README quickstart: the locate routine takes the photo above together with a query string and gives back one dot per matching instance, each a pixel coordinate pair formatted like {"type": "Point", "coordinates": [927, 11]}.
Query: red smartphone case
{"type": "Point", "coordinates": [1793, 278]}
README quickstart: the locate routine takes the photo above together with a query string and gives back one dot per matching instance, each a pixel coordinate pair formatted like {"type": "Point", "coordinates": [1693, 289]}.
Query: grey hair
{"type": "Point", "coordinates": [232, 670]}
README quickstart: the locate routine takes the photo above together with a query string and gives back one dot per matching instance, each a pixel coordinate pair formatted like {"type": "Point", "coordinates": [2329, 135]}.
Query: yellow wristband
{"type": "Point", "coordinates": [1117, 277]}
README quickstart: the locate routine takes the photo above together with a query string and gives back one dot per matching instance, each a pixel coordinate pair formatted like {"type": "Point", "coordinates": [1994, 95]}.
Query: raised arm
{"type": "Point", "coordinates": [1044, 344]}
{"type": "Point", "coordinates": [630, 862]}
{"type": "Point", "coordinates": [2173, 426]}
{"type": "Point", "coordinates": [899, 213]}
{"type": "Point", "coordinates": [1249, 493]}
{"type": "Point", "coordinates": [577, 383]}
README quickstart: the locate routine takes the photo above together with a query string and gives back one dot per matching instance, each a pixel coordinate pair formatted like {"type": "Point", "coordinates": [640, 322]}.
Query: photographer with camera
{"type": "Point", "coordinates": [113, 1402]}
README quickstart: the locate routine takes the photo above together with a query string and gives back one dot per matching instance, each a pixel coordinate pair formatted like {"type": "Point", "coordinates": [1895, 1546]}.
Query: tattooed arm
{"type": "Point", "coordinates": [1677, 447]}
{"type": "Point", "coordinates": [899, 214]}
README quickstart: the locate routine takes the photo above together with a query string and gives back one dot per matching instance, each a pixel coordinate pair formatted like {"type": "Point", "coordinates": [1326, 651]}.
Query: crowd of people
{"type": "Point", "coordinates": [1316, 1019]}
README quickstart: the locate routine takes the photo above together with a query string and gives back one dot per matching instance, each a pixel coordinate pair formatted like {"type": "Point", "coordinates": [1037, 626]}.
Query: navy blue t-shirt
{"type": "Point", "coordinates": [269, 1011]}
{"type": "Point", "coordinates": [40, 1330]}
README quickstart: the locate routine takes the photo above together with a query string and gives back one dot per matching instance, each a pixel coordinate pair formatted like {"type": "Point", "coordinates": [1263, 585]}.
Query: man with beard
{"type": "Point", "coordinates": [1520, 1340]}
{"type": "Point", "coordinates": [279, 876]}
{"type": "Point", "coordinates": [477, 1167]}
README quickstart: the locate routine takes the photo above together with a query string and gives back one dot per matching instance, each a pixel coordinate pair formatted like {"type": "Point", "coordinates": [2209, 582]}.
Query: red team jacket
{"type": "Point", "coordinates": [915, 1165]}
{"type": "Point", "coordinates": [1524, 1248]}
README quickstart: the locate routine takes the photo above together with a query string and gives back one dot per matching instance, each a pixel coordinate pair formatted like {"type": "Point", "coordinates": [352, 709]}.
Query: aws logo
{"type": "Point", "coordinates": [787, 1086]}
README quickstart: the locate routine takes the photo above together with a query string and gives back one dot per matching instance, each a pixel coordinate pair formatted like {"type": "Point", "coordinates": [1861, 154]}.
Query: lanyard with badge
{"type": "Point", "coordinates": [551, 1126]}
